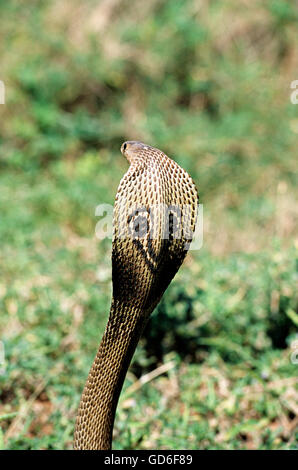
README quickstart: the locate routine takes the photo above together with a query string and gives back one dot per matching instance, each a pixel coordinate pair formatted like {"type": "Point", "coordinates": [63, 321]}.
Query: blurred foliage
{"type": "Point", "coordinates": [208, 82]}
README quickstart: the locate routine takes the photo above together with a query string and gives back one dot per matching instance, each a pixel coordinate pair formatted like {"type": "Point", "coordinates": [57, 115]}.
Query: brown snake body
{"type": "Point", "coordinates": [154, 219]}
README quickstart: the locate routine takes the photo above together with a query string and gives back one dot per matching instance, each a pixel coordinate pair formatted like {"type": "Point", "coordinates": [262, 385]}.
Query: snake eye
{"type": "Point", "coordinates": [124, 147]}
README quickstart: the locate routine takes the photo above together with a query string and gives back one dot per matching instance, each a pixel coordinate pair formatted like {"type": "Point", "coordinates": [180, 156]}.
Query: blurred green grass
{"type": "Point", "coordinates": [209, 83]}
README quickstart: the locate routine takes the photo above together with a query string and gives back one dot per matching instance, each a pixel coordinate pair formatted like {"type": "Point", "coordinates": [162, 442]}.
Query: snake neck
{"type": "Point", "coordinates": [95, 419]}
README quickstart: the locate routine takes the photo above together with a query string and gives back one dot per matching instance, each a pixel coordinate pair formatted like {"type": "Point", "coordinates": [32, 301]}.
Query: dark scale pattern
{"type": "Point", "coordinates": [144, 262]}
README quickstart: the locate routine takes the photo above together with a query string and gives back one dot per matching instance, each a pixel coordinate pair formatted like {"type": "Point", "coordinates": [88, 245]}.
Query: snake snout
{"type": "Point", "coordinates": [123, 148]}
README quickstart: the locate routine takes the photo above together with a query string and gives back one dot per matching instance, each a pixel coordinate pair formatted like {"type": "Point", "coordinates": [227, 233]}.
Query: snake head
{"type": "Point", "coordinates": [132, 149]}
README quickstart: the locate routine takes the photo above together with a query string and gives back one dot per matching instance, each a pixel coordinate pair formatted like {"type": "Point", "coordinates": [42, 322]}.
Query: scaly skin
{"type": "Point", "coordinates": [149, 246]}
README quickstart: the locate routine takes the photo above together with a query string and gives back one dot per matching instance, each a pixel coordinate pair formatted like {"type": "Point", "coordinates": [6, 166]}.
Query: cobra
{"type": "Point", "coordinates": [154, 219]}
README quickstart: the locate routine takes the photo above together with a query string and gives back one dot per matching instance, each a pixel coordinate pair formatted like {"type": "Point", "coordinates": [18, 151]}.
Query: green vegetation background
{"type": "Point", "coordinates": [209, 83]}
